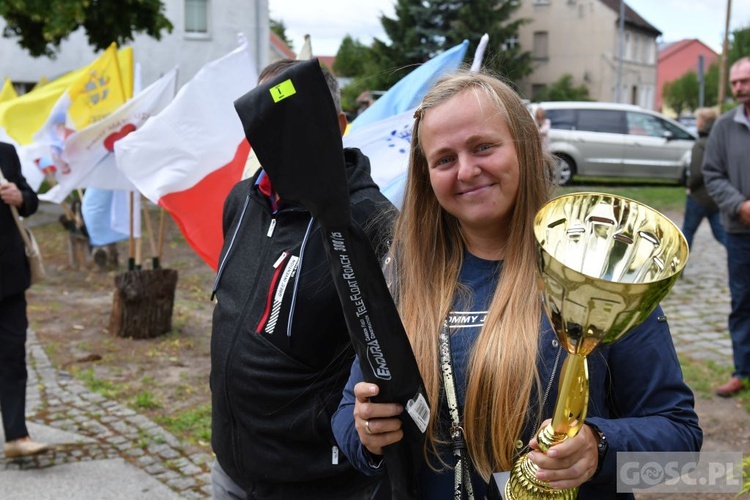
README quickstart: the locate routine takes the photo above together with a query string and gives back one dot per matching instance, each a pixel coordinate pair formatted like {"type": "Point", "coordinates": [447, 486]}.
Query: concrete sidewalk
{"type": "Point", "coordinates": [103, 450]}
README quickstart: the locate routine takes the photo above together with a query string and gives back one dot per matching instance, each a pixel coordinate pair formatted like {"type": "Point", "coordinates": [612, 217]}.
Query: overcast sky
{"type": "Point", "coordinates": [329, 21]}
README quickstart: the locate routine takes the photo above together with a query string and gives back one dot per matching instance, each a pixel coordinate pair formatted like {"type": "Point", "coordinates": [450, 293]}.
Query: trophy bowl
{"type": "Point", "coordinates": [604, 264]}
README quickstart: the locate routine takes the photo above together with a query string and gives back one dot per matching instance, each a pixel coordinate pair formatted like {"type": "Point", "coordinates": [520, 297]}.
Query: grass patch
{"type": "Point", "coordinates": [194, 425]}
{"type": "Point", "coordinates": [703, 376]}
{"type": "Point", "coordinates": [94, 384]}
{"type": "Point", "coordinates": [660, 197]}
{"type": "Point", "coordinates": [146, 401]}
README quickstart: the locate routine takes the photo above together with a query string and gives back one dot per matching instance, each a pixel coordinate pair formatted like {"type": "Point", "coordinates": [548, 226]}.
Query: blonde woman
{"type": "Point", "coordinates": [463, 255]}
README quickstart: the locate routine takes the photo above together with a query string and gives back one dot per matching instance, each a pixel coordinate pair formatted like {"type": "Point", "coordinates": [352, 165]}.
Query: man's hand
{"type": "Point", "coordinates": [10, 194]}
{"type": "Point", "coordinates": [744, 213]}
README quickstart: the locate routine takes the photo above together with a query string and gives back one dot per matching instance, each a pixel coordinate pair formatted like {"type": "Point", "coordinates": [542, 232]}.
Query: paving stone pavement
{"type": "Point", "coordinates": [698, 305]}
{"type": "Point", "coordinates": [100, 448]}
{"type": "Point", "coordinates": [103, 450]}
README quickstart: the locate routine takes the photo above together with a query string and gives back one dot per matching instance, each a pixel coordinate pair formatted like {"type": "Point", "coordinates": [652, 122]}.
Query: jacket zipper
{"type": "Point", "coordinates": [296, 278]}
{"type": "Point", "coordinates": [231, 246]}
{"type": "Point", "coordinates": [271, 289]}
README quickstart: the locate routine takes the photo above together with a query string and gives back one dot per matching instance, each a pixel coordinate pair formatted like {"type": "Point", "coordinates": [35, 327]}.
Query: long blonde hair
{"type": "Point", "coordinates": [428, 250]}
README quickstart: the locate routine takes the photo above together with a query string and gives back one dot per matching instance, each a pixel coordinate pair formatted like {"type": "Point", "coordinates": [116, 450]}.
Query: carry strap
{"type": "Point", "coordinates": [16, 217]}
{"type": "Point", "coordinates": [462, 469]}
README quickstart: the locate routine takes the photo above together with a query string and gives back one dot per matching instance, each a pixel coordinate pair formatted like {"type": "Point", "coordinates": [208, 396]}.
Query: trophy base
{"type": "Point", "coordinates": [521, 484]}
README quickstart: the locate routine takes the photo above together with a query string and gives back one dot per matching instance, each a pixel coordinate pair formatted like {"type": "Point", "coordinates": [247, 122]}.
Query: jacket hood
{"type": "Point", "coordinates": [358, 170]}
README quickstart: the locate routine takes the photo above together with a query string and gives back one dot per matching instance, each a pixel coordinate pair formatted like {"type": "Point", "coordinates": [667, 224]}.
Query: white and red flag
{"type": "Point", "coordinates": [88, 152]}
{"type": "Point", "coordinates": [188, 158]}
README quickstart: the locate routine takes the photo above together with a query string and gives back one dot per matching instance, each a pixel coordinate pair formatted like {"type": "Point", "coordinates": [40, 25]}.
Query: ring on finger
{"type": "Point", "coordinates": [367, 427]}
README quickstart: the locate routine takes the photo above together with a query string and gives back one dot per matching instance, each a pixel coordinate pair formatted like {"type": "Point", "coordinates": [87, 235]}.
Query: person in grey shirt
{"type": "Point", "coordinates": [726, 170]}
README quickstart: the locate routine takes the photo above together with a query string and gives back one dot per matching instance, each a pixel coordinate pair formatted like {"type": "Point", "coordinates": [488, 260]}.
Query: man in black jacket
{"type": "Point", "coordinates": [280, 349]}
{"type": "Point", "coordinates": [14, 280]}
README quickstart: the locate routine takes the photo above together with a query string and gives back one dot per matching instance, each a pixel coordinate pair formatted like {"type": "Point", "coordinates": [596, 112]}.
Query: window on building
{"type": "Point", "coordinates": [636, 51]}
{"type": "Point", "coordinates": [541, 45]}
{"type": "Point", "coordinates": [196, 16]}
{"type": "Point", "coordinates": [626, 43]}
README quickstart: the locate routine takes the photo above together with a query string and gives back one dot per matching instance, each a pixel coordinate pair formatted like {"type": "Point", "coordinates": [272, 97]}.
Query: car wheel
{"type": "Point", "coordinates": [565, 169]}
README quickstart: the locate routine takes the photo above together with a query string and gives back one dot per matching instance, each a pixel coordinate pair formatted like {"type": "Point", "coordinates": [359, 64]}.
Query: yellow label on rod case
{"type": "Point", "coordinates": [283, 90]}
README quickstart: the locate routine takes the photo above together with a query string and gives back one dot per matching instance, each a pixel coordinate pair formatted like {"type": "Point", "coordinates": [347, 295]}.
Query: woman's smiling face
{"type": "Point", "coordinates": [472, 161]}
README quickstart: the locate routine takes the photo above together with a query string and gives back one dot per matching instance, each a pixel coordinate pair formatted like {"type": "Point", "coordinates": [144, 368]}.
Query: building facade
{"type": "Point", "coordinates": [204, 30]}
{"type": "Point", "coordinates": [677, 58]}
{"type": "Point", "coordinates": [582, 38]}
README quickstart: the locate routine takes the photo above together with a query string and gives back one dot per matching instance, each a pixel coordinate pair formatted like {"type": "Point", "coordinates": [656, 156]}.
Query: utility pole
{"type": "Point", "coordinates": [701, 82]}
{"type": "Point", "coordinates": [724, 55]}
{"type": "Point", "coordinates": [620, 51]}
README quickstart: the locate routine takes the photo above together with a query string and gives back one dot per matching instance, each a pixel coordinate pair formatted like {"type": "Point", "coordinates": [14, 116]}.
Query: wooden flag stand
{"type": "Point", "coordinates": [144, 298]}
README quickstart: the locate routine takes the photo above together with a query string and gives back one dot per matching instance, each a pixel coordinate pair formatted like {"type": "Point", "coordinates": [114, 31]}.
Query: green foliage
{"type": "Point", "coordinates": [41, 25]}
{"type": "Point", "coordinates": [471, 19]}
{"type": "Point", "coordinates": [683, 94]}
{"type": "Point", "coordinates": [739, 45]}
{"type": "Point", "coordinates": [421, 29]}
{"type": "Point", "coordinates": [279, 28]}
{"type": "Point", "coordinates": [352, 58]}
{"type": "Point", "coordinates": [563, 90]}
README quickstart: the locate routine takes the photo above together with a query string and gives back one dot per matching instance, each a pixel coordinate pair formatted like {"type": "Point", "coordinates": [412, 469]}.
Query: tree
{"type": "Point", "coordinates": [416, 36]}
{"type": "Point", "coordinates": [740, 44]}
{"type": "Point", "coordinates": [42, 25]}
{"type": "Point", "coordinates": [683, 94]}
{"type": "Point", "coordinates": [279, 28]}
{"type": "Point", "coordinates": [351, 58]}
{"type": "Point", "coordinates": [563, 90]}
{"type": "Point", "coordinates": [470, 19]}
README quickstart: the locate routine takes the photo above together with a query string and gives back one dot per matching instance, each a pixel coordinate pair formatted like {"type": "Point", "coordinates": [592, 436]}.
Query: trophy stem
{"type": "Point", "coordinates": [570, 412]}
{"type": "Point", "coordinates": [571, 405]}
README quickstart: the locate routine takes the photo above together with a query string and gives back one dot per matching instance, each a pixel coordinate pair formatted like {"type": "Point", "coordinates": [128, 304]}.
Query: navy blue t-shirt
{"type": "Point", "coordinates": [465, 321]}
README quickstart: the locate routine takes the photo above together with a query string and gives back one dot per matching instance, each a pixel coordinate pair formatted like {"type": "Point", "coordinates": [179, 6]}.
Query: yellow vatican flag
{"type": "Point", "coordinates": [8, 92]}
{"type": "Point", "coordinates": [24, 116]}
{"type": "Point", "coordinates": [41, 83]}
{"type": "Point", "coordinates": [98, 92]}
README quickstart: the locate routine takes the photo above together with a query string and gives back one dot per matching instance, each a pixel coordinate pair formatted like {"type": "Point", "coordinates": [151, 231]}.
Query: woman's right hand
{"type": "Point", "coordinates": [377, 424]}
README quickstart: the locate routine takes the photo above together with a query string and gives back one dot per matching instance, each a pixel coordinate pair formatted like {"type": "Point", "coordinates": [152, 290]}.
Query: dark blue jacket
{"type": "Point", "coordinates": [637, 398]}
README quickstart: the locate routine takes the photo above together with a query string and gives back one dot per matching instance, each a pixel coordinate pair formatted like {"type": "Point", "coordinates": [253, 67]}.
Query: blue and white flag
{"type": "Point", "coordinates": [387, 144]}
{"type": "Point", "coordinates": [410, 90]}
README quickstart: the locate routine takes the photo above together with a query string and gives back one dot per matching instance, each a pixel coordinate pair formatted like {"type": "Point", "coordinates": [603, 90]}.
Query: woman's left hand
{"type": "Point", "coordinates": [570, 463]}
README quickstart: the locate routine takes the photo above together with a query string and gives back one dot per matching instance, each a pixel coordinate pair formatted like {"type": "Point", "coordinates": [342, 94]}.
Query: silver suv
{"type": "Point", "coordinates": [616, 140]}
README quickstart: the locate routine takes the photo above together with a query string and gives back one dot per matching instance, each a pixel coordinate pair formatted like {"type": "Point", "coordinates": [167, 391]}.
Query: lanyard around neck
{"type": "Point", "coordinates": [462, 469]}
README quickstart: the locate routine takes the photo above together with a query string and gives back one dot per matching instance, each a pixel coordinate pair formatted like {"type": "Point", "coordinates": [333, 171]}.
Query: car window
{"type": "Point", "coordinates": [643, 124]}
{"type": "Point", "coordinates": [601, 120]}
{"type": "Point", "coordinates": [677, 132]}
{"type": "Point", "coordinates": [562, 118]}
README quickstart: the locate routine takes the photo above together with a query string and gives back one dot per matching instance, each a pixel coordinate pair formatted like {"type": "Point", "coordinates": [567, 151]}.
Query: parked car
{"type": "Point", "coordinates": [616, 140]}
{"type": "Point", "coordinates": [688, 121]}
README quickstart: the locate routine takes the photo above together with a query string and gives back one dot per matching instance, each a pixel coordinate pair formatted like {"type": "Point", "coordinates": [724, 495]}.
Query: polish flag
{"type": "Point", "coordinates": [188, 157]}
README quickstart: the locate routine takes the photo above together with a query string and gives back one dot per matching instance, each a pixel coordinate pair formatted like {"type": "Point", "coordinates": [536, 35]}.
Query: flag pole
{"type": "Point", "coordinates": [160, 245]}
{"type": "Point", "coordinates": [131, 241]}
{"type": "Point", "coordinates": [152, 243]}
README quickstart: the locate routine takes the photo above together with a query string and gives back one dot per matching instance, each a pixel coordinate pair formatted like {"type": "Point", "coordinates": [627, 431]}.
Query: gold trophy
{"type": "Point", "coordinates": [604, 263]}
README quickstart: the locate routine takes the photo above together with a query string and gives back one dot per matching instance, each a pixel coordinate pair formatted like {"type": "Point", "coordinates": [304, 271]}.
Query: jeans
{"type": "Point", "coordinates": [224, 488]}
{"type": "Point", "coordinates": [694, 215]}
{"type": "Point", "coordinates": [738, 259]}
